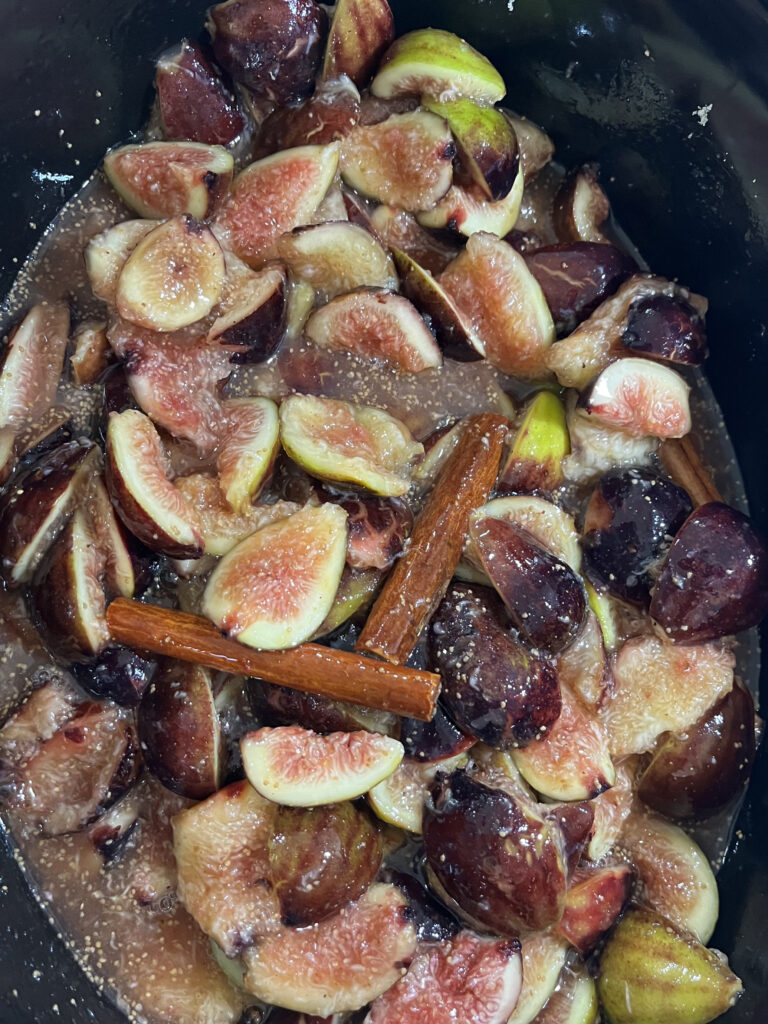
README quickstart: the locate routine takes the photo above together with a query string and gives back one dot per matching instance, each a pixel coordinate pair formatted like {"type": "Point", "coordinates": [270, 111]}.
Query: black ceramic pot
{"type": "Point", "coordinates": [669, 95]}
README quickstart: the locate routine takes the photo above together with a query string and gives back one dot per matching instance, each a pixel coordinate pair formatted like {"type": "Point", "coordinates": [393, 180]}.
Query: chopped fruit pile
{"type": "Point", "coordinates": [364, 369]}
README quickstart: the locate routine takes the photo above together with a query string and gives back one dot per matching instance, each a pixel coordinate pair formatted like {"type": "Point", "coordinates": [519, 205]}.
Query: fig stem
{"type": "Point", "coordinates": [421, 576]}
{"type": "Point", "coordinates": [311, 668]}
{"type": "Point", "coordinates": [682, 462]}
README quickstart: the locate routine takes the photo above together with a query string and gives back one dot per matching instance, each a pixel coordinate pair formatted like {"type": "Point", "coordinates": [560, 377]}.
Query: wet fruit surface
{"type": "Point", "coordinates": [666, 328]}
{"type": "Point", "coordinates": [377, 530]}
{"type": "Point", "coordinates": [594, 902]}
{"type": "Point", "coordinates": [641, 397]}
{"type": "Point", "coordinates": [361, 30]}
{"type": "Point", "coordinates": [194, 102]}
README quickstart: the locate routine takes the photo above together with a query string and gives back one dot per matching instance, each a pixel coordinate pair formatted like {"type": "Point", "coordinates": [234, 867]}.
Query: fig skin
{"type": "Point", "coordinates": [271, 46]}
{"type": "Point", "coordinates": [378, 528]}
{"type": "Point", "coordinates": [360, 32]}
{"type": "Point", "coordinates": [194, 102]}
{"type": "Point", "coordinates": [594, 902]}
{"type": "Point", "coordinates": [328, 115]}
{"type": "Point", "coordinates": [118, 674]}
{"type": "Point", "coordinates": [436, 740]}
{"type": "Point", "coordinates": [668, 328]}
{"type": "Point", "coordinates": [493, 688]}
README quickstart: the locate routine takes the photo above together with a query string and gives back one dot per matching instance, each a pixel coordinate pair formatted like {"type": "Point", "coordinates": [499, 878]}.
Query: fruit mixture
{"type": "Point", "coordinates": [366, 385]}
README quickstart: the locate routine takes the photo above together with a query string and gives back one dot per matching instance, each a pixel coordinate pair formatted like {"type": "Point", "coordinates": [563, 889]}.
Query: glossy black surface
{"type": "Point", "coordinates": [626, 83]}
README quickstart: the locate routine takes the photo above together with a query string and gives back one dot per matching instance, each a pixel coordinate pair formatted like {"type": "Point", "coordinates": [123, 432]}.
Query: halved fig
{"type": "Point", "coordinates": [465, 978]}
{"type": "Point", "coordinates": [610, 810]}
{"type": "Point", "coordinates": [583, 665]}
{"type": "Point", "coordinates": [642, 398]}
{"type": "Point", "coordinates": [168, 179]}
{"type": "Point", "coordinates": [675, 877]}
{"type": "Point", "coordinates": [544, 955]}
{"type": "Point", "coordinates": [549, 524]}
{"type": "Point", "coordinates": [322, 858]}
{"type": "Point", "coordinates": [301, 768]}
{"type": "Point", "coordinates": [248, 449]}
{"type": "Point", "coordinates": [535, 462]}
{"type": "Point", "coordinates": [360, 32]}
{"type": "Point", "coordinates": [35, 511]}
{"type": "Point", "coordinates": [667, 328]}
{"type": "Point", "coordinates": [493, 687]}
{"type": "Point", "coordinates": [194, 103]}
{"type": "Point", "coordinates": [398, 229]}
{"type": "Point", "coordinates": [378, 528]}
{"type": "Point", "coordinates": [337, 257]}
{"type": "Point", "coordinates": [519, 880]}
{"type": "Point", "coordinates": [399, 799]}
{"type": "Point", "coordinates": [535, 146]}
{"type": "Point", "coordinates": [90, 352]}
{"type": "Point", "coordinates": [179, 730]}
{"type": "Point", "coordinates": [660, 687]}
{"type": "Point", "coordinates": [271, 46]}
{"type": "Point", "coordinates": [272, 196]}
{"type": "Point", "coordinates": [338, 441]}
{"type": "Point", "coordinates": [574, 1001]}
{"type": "Point", "coordinates": [594, 901]}
{"type": "Point", "coordinates": [275, 588]}
{"type": "Point", "coordinates": [173, 277]}
{"type": "Point", "coordinates": [251, 320]}
{"type": "Point", "coordinates": [380, 325]}
{"type": "Point", "coordinates": [581, 207]}
{"type": "Point", "coordinates": [147, 502]}
{"type": "Point", "coordinates": [490, 282]}
{"type": "Point", "coordinates": [107, 252]}
{"type": "Point", "coordinates": [406, 160]}
{"type": "Point", "coordinates": [465, 209]}
{"type": "Point", "coordinates": [117, 674]}
{"type": "Point", "coordinates": [437, 63]}
{"type": "Point", "coordinates": [714, 579]}
{"type": "Point", "coordinates": [32, 361]}
{"type": "Point", "coordinates": [340, 964]}
{"type": "Point", "coordinates": [43, 711]}
{"type": "Point", "coordinates": [221, 849]}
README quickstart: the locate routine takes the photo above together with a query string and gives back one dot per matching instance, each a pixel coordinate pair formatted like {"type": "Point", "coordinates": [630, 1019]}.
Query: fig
{"type": "Point", "coordinates": [406, 160]}
{"type": "Point", "coordinates": [173, 277]}
{"type": "Point", "coordinates": [464, 978]}
{"type": "Point", "coordinates": [597, 448]}
{"type": "Point", "coordinates": [248, 449]}
{"type": "Point", "coordinates": [399, 799]}
{"type": "Point", "coordinates": [41, 714]}
{"type": "Point", "coordinates": [583, 665]}
{"type": "Point", "coordinates": [493, 688]}
{"type": "Point", "coordinates": [193, 101]}
{"type": "Point", "coordinates": [466, 210]}
{"type": "Point", "coordinates": [714, 579]}
{"type": "Point", "coordinates": [380, 325]}
{"type": "Point", "coordinates": [605, 611]}
{"type": "Point", "coordinates": [543, 595]}
{"type": "Point", "coordinates": [581, 207]}
{"type": "Point", "coordinates": [107, 252]}
{"type": "Point", "coordinates": [377, 530]}
{"type": "Point", "coordinates": [337, 257]}
{"type": "Point", "coordinates": [342, 963]}
{"type": "Point", "coordinates": [32, 362]}
{"type": "Point", "coordinates": [594, 901]}
{"type": "Point", "coordinates": [320, 859]}
{"type": "Point", "coordinates": [650, 973]}
{"type": "Point", "coordinates": [90, 352]}
{"type": "Point", "coordinates": [610, 810]}
{"type": "Point", "coordinates": [117, 674]}
{"type": "Point", "coordinates": [356, 592]}
{"type": "Point", "coordinates": [145, 499]}
{"type": "Point", "coordinates": [272, 196]}
{"type": "Point", "coordinates": [659, 687]}
{"type": "Point", "coordinates": [550, 525]}
{"type": "Point", "coordinates": [271, 46]}
{"type": "Point", "coordinates": [251, 323]}
{"type": "Point", "coordinates": [360, 32]}
{"type": "Point", "coordinates": [629, 520]}
{"type": "Point", "coordinates": [398, 229]}
{"type": "Point", "coordinates": [700, 772]}
{"type": "Point", "coordinates": [494, 854]}
{"type": "Point", "coordinates": [168, 179]}
{"type": "Point", "coordinates": [301, 768]}
{"type": "Point", "coordinates": [37, 508]}
{"type": "Point", "coordinates": [490, 282]}
{"type": "Point", "coordinates": [275, 588]}
{"type": "Point", "coordinates": [436, 740]}
{"type": "Point", "coordinates": [574, 1001]}
{"type": "Point", "coordinates": [576, 821]}
{"type": "Point", "coordinates": [439, 64]}
{"type": "Point", "coordinates": [535, 146]}
{"type": "Point", "coordinates": [541, 443]}
{"type": "Point", "coordinates": [357, 444]}
{"type": "Point", "coordinates": [543, 956]}
{"type": "Point", "coordinates": [280, 705]}
{"type": "Point", "coordinates": [664, 327]}
{"type": "Point", "coordinates": [641, 398]}
{"type": "Point", "coordinates": [111, 832]}
{"type": "Point", "coordinates": [329, 114]}
{"type": "Point", "coordinates": [179, 730]}
{"type": "Point", "coordinates": [221, 849]}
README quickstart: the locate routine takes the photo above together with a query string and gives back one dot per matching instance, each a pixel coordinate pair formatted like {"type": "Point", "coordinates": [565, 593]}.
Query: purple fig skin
{"type": "Point", "coordinates": [195, 104]}
{"type": "Point", "coordinates": [666, 328]}
{"type": "Point", "coordinates": [117, 674]}
{"type": "Point", "coordinates": [575, 821]}
{"type": "Point", "coordinates": [432, 741]}
{"type": "Point", "coordinates": [432, 921]}
{"type": "Point", "coordinates": [378, 528]}
{"type": "Point", "coordinates": [714, 579]}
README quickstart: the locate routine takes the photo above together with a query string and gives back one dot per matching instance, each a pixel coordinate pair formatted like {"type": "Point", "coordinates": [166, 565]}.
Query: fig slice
{"type": "Point", "coordinates": [399, 799]}
{"type": "Point", "coordinates": [360, 32]}
{"type": "Point", "coordinates": [193, 101]}
{"type": "Point", "coordinates": [535, 462]}
{"type": "Point", "coordinates": [302, 768]}
{"type": "Point", "coordinates": [550, 525]}
{"type": "Point", "coordinates": [583, 665]}
{"type": "Point", "coordinates": [118, 674]}
{"type": "Point", "coordinates": [338, 441]}
{"type": "Point", "coordinates": [465, 209]}
{"type": "Point", "coordinates": [275, 588]}
{"type": "Point", "coordinates": [251, 320]}
{"type": "Point", "coordinates": [248, 449]}
{"type": "Point", "coordinates": [398, 229]}
{"type": "Point", "coordinates": [173, 278]}
{"type": "Point", "coordinates": [378, 528]}
{"type": "Point", "coordinates": [642, 398]}
{"type": "Point", "coordinates": [581, 207]}
{"type": "Point", "coordinates": [667, 328]}
{"type": "Point", "coordinates": [329, 114]}
{"type": "Point", "coordinates": [406, 160]}
{"type": "Point", "coordinates": [90, 352]}
{"type": "Point", "coordinates": [594, 901]}
{"type": "Point", "coordinates": [439, 64]}
{"type": "Point", "coordinates": [42, 712]}
{"type": "Point", "coordinates": [341, 963]}
{"type": "Point", "coordinates": [610, 810]}
{"type": "Point", "coordinates": [337, 257]}
{"type": "Point", "coordinates": [535, 146]}
{"type": "Point", "coordinates": [380, 325]}
{"type": "Point", "coordinates": [144, 497]}
{"type": "Point", "coordinates": [356, 592]}
{"type": "Point", "coordinates": [32, 362]}
{"type": "Point", "coordinates": [574, 1001]}
{"type": "Point", "coordinates": [168, 179]}
{"type": "Point", "coordinates": [544, 957]}
{"type": "Point", "coordinates": [490, 282]}
{"type": "Point", "coordinates": [107, 252]}
{"type": "Point", "coordinates": [465, 978]}
{"type": "Point", "coordinates": [272, 196]}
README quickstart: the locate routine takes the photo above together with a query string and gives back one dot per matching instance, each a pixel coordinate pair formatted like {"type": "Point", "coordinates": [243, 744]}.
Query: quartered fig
{"type": "Point", "coordinates": [377, 531]}
{"type": "Point", "coordinates": [668, 328]}
{"type": "Point", "coordinates": [117, 674]}
{"type": "Point", "coordinates": [380, 325]}
{"type": "Point", "coordinates": [597, 448]}
{"type": "Point", "coordinates": [41, 713]}
{"type": "Point", "coordinates": [272, 196]}
{"type": "Point", "coordinates": [275, 588]}
{"type": "Point", "coordinates": [248, 449]}
{"type": "Point", "coordinates": [535, 462]}
{"type": "Point", "coordinates": [300, 768]}
{"type": "Point", "coordinates": [194, 103]}
{"type": "Point", "coordinates": [439, 64]}
{"type": "Point", "coordinates": [583, 665]}
{"type": "Point", "coordinates": [549, 524]}
{"type": "Point", "coordinates": [251, 319]}
{"type": "Point", "coordinates": [399, 799]}
{"type": "Point", "coordinates": [168, 179]}
{"type": "Point", "coordinates": [544, 956]}
{"type": "Point", "coordinates": [466, 209]}
{"type": "Point", "coordinates": [406, 160]}
{"type": "Point", "coordinates": [107, 252]}
{"type": "Point", "coordinates": [173, 277]}
{"type": "Point", "coordinates": [271, 47]}
{"type": "Point", "coordinates": [32, 362]}
{"type": "Point", "coordinates": [280, 705]}
{"type": "Point", "coordinates": [610, 810]}
{"type": "Point", "coordinates": [641, 397]}
{"type": "Point", "coordinates": [337, 257]}
{"type": "Point", "coordinates": [493, 687]}
{"type": "Point", "coordinates": [398, 229]}
{"type": "Point", "coordinates": [329, 114]}
{"type": "Point", "coordinates": [90, 352]}
{"type": "Point", "coordinates": [535, 146]}
{"type": "Point", "coordinates": [360, 32]}
{"type": "Point", "coordinates": [581, 207]}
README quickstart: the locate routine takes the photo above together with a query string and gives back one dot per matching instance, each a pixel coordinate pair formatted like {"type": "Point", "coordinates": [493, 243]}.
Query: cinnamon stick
{"type": "Point", "coordinates": [420, 578]}
{"type": "Point", "coordinates": [681, 460]}
{"type": "Point", "coordinates": [340, 675]}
